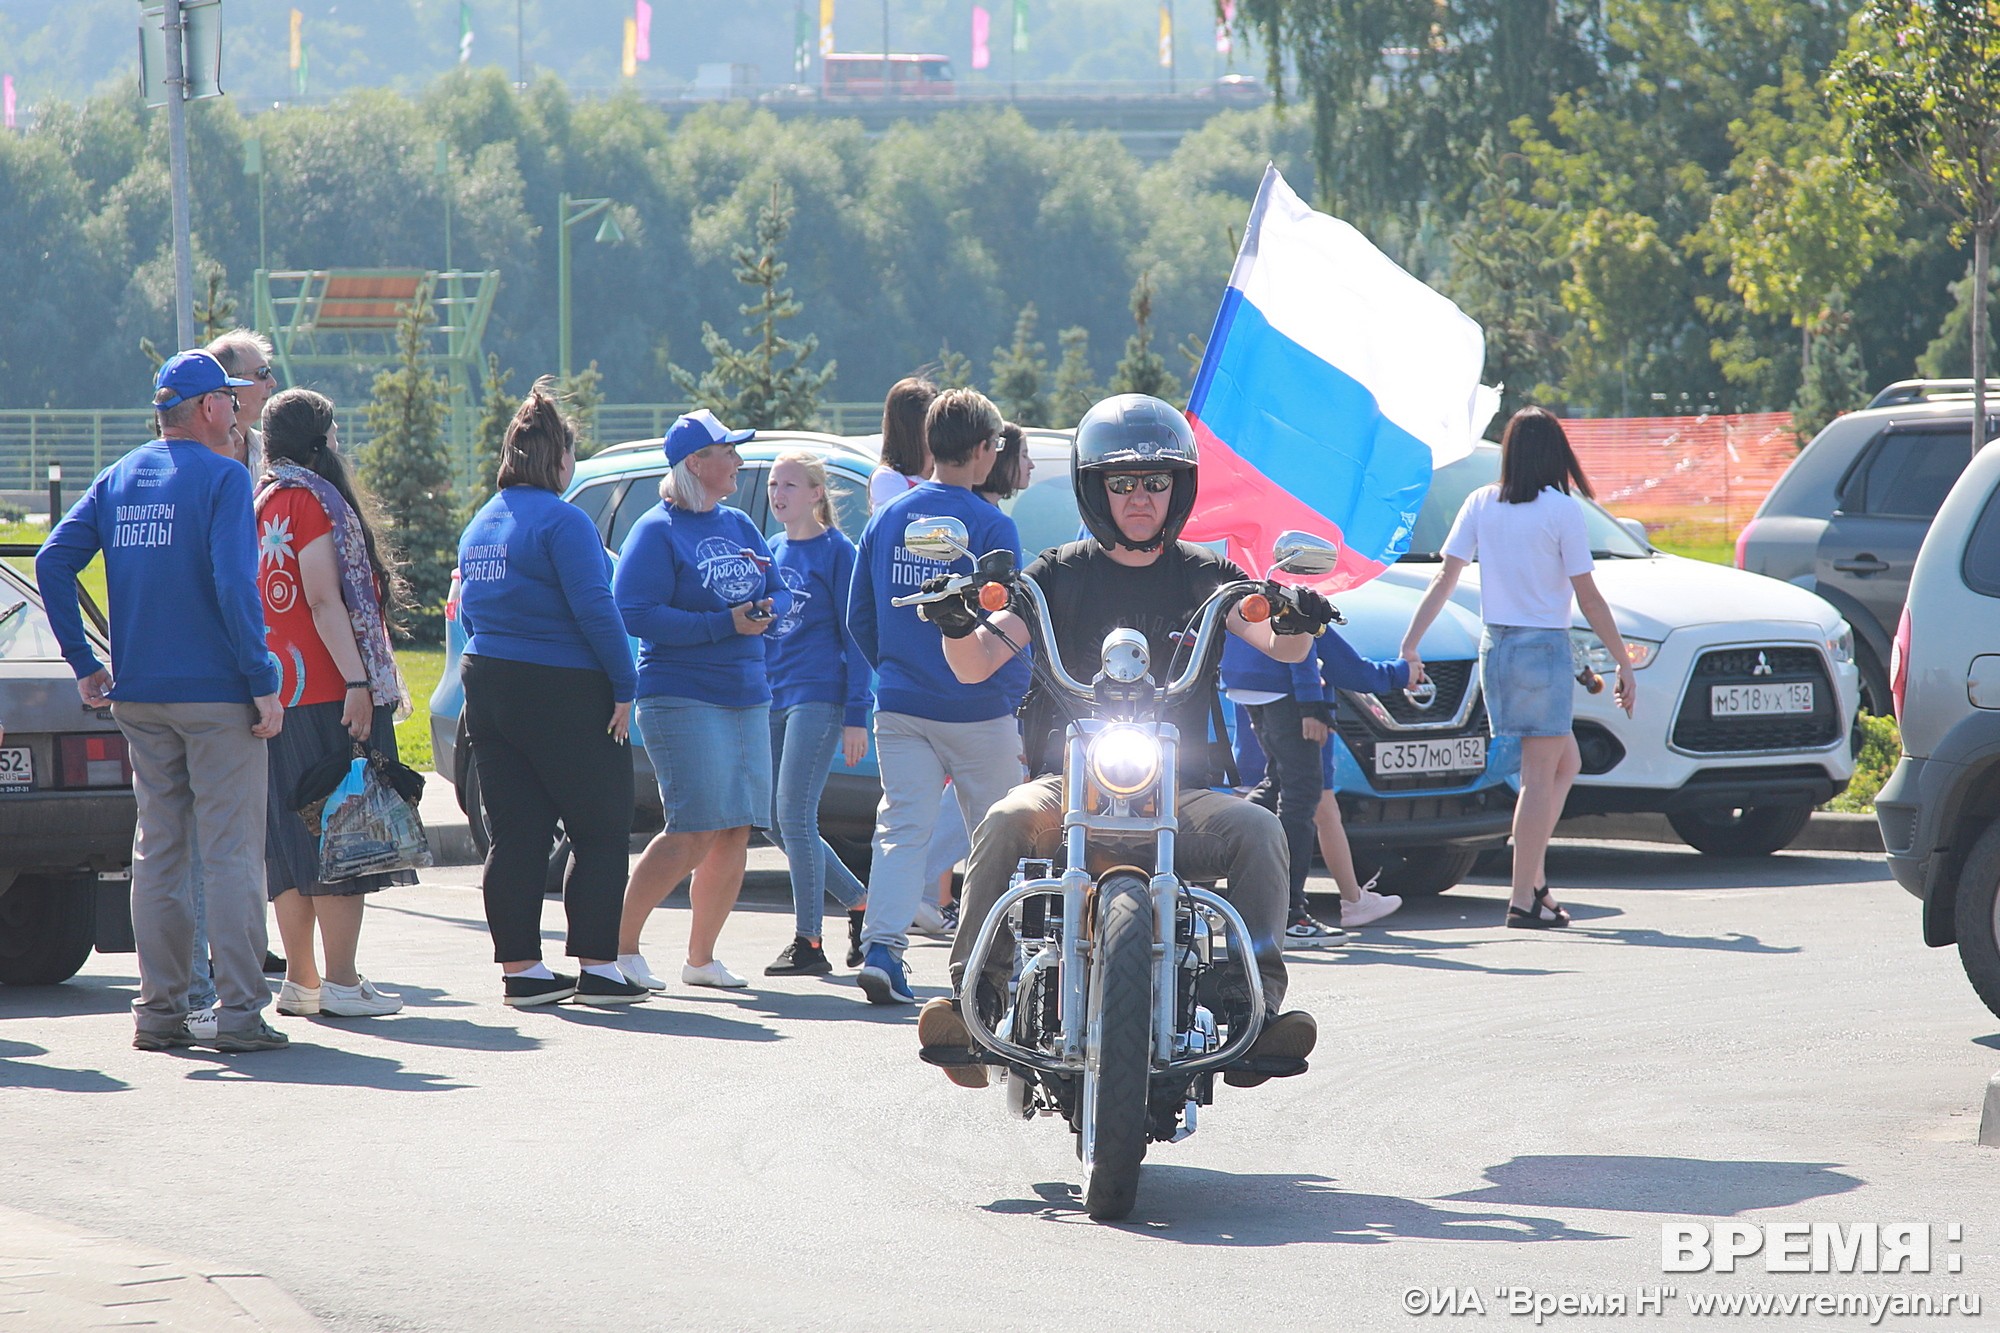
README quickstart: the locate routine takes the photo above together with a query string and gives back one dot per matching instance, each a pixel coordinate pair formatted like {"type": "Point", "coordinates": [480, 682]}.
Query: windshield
{"type": "Point", "coordinates": [1453, 482]}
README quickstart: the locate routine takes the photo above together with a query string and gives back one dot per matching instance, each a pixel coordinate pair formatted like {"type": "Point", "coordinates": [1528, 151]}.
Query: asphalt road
{"type": "Point", "coordinates": [1762, 1042]}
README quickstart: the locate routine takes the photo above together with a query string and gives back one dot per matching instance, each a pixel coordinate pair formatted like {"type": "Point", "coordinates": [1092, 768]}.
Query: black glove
{"type": "Point", "coordinates": [955, 616]}
{"type": "Point", "coordinates": [1303, 611]}
{"type": "Point", "coordinates": [1318, 710]}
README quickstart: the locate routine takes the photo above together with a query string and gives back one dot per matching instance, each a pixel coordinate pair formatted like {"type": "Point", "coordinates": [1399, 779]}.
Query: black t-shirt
{"type": "Point", "coordinates": [1089, 595]}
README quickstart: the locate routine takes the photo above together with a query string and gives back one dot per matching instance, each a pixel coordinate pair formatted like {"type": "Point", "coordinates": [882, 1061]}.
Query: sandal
{"type": "Point", "coordinates": [1543, 915]}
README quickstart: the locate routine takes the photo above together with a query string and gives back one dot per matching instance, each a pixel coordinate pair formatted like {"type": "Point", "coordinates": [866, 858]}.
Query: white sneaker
{"type": "Point", "coordinates": [201, 1023]}
{"type": "Point", "coordinates": [1370, 906]}
{"type": "Point", "coordinates": [298, 1001]}
{"type": "Point", "coordinates": [360, 1000]}
{"type": "Point", "coordinates": [929, 922]}
{"type": "Point", "coordinates": [633, 965]}
{"type": "Point", "coordinates": [711, 973]}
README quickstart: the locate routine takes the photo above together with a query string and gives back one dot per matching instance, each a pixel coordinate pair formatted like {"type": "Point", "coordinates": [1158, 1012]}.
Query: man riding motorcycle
{"type": "Point", "coordinates": [1135, 469]}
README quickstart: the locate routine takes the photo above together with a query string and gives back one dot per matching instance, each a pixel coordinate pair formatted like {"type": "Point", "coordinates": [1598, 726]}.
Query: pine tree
{"type": "Point", "coordinates": [765, 385]}
{"type": "Point", "coordinates": [1143, 370]}
{"type": "Point", "coordinates": [1076, 384]}
{"type": "Point", "coordinates": [1019, 371]}
{"type": "Point", "coordinates": [408, 466]}
{"type": "Point", "coordinates": [581, 395]}
{"type": "Point", "coordinates": [1836, 380]}
{"type": "Point", "coordinates": [496, 411]}
{"type": "Point", "coordinates": [953, 369]}
{"type": "Point", "coordinates": [1949, 355]}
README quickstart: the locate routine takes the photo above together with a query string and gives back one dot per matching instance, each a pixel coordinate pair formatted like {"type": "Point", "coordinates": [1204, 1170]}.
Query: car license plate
{"type": "Point", "coordinates": [17, 768]}
{"type": "Point", "coordinates": [1439, 756]}
{"type": "Point", "coordinates": [1760, 700]}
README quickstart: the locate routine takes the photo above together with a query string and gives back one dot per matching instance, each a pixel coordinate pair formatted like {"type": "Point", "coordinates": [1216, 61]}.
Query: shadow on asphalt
{"type": "Point", "coordinates": [659, 1019]}
{"type": "Point", "coordinates": [1197, 1206]}
{"type": "Point", "coordinates": [1992, 1041]}
{"type": "Point", "coordinates": [1683, 1186]}
{"type": "Point", "coordinates": [17, 1070]}
{"type": "Point", "coordinates": [1664, 866]}
{"type": "Point", "coordinates": [307, 1062]}
{"type": "Point", "coordinates": [459, 1034]}
{"type": "Point", "coordinates": [95, 994]}
{"type": "Point", "coordinates": [835, 1000]}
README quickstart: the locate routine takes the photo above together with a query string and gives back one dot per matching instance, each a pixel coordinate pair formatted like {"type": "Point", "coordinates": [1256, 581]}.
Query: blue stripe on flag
{"type": "Point", "coordinates": [1312, 429]}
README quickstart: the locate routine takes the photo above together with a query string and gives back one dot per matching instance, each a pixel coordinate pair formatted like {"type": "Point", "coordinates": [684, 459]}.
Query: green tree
{"type": "Point", "coordinates": [1076, 383]}
{"type": "Point", "coordinates": [1506, 274]}
{"type": "Point", "coordinates": [1019, 372]}
{"type": "Point", "coordinates": [496, 413]}
{"type": "Point", "coordinates": [1920, 87]}
{"type": "Point", "coordinates": [953, 370]}
{"type": "Point", "coordinates": [1835, 379]}
{"type": "Point", "coordinates": [581, 394]}
{"type": "Point", "coordinates": [1141, 369]}
{"type": "Point", "coordinates": [1951, 351]}
{"type": "Point", "coordinates": [407, 465]}
{"type": "Point", "coordinates": [768, 384]}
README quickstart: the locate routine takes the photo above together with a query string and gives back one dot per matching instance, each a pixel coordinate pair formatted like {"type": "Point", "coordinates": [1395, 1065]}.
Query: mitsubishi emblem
{"type": "Point", "coordinates": [1763, 667]}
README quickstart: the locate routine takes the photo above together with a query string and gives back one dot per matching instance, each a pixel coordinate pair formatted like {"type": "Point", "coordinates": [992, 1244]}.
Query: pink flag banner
{"type": "Point", "coordinates": [982, 31]}
{"type": "Point", "coordinates": [643, 46]}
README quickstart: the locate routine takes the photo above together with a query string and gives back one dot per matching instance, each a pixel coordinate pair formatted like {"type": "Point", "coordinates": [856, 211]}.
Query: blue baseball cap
{"type": "Point", "coordinates": [190, 375]}
{"type": "Point", "coordinates": [696, 431]}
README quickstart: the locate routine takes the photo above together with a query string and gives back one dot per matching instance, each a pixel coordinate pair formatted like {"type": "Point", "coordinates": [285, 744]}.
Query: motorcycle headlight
{"type": "Point", "coordinates": [1640, 651]}
{"type": "Point", "coordinates": [1841, 643]}
{"type": "Point", "coordinates": [1124, 760]}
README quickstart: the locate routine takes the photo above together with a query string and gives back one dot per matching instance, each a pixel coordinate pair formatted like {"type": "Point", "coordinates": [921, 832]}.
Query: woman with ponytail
{"type": "Point", "coordinates": [329, 592]}
{"type": "Point", "coordinates": [549, 680]}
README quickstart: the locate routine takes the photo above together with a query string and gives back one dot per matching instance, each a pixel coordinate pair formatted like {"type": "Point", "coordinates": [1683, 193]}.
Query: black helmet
{"type": "Point", "coordinates": [1133, 432]}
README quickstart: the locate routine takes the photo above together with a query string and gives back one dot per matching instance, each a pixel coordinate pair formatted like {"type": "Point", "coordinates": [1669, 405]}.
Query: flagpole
{"type": "Point", "coordinates": [177, 156]}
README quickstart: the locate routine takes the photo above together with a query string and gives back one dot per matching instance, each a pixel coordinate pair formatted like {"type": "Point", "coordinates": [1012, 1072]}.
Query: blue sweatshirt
{"type": "Point", "coordinates": [678, 575]}
{"type": "Point", "coordinates": [180, 562]}
{"type": "Point", "coordinates": [535, 586]}
{"type": "Point", "coordinates": [1331, 665]}
{"type": "Point", "coordinates": [810, 656]}
{"type": "Point", "coordinates": [906, 650]}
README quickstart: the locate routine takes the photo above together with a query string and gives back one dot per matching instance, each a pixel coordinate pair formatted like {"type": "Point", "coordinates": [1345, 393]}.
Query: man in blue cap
{"type": "Point", "coordinates": [196, 694]}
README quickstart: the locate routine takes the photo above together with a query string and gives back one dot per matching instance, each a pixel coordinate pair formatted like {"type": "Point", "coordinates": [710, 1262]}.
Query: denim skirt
{"type": "Point", "coordinates": [713, 762]}
{"type": "Point", "coordinates": [1530, 684]}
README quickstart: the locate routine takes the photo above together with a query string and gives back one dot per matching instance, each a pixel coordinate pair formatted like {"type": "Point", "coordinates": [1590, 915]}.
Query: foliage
{"type": "Point", "coordinates": [951, 370]}
{"type": "Point", "coordinates": [1505, 274]}
{"type": "Point", "coordinates": [1141, 369]}
{"type": "Point", "coordinates": [581, 394]}
{"type": "Point", "coordinates": [1075, 387]}
{"type": "Point", "coordinates": [767, 385]}
{"type": "Point", "coordinates": [1950, 353]}
{"type": "Point", "coordinates": [496, 412]}
{"type": "Point", "coordinates": [1835, 379]}
{"type": "Point", "coordinates": [407, 466]}
{"type": "Point", "coordinates": [1019, 372]}
{"type": "Point", "coordinates": [1881, 748]}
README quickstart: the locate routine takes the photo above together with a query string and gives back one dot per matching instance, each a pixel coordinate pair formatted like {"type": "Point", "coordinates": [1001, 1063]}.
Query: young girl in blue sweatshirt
{"type": "Point", "coordinates": [819, 700]}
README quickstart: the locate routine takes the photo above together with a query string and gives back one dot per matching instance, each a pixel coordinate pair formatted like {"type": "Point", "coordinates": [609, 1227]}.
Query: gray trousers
{"type": "Point", "coordinates": [916, 755]}
{"type": "Point", "coordinates": [1220, 837]}
{"type": "Point", "coordinates": [197, 768]}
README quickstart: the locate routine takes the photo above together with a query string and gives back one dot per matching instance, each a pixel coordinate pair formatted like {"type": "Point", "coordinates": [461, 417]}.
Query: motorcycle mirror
{"type": "Point", "coordinates": [1303, 553]}
{"type": "Point", "coordinates": [937, 539]}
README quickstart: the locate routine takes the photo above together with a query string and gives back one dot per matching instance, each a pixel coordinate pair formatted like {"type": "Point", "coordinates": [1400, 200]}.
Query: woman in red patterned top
{"type": "Point", "coordinates": [324, 580]}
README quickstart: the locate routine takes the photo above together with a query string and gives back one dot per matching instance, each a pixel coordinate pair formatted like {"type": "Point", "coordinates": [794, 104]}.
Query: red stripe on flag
{"type": "Point", "coordinates": [1242, 506]}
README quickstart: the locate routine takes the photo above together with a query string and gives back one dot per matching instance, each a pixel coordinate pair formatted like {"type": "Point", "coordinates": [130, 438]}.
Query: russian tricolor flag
{"type": "Point", "coordinates": [1331, 387]}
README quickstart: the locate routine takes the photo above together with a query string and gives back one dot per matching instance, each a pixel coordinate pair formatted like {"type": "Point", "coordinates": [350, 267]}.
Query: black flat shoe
{"type": "Point", "coordinates": [1542, 915]}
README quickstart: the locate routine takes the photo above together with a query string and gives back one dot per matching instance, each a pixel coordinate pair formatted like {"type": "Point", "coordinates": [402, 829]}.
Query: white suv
{"type": "Point", "coordinates": [1747, 685]}
{"type": "Point", "coordinates": [1940, 809]}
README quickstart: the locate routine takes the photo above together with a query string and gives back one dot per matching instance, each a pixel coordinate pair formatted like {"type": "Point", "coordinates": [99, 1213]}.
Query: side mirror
{"type": "Point", "coordinates": [1638, 531]}
{"type": "Point", "coordinates": [942, 539]}
{"type": "Point", "coordinates": [1303, 553]}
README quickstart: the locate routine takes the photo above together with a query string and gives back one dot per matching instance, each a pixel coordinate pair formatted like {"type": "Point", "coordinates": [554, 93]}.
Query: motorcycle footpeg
{"type": "Point", "coordinates": [1271, 1066]}
{"type": "Point", "coordinates": [956, 1057]}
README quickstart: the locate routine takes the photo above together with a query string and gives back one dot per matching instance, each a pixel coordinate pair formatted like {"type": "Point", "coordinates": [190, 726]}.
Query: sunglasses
{"type": "Point", "coordinates": [264, 373]}
{"type": "Point", "coordinates": [1124, 483]}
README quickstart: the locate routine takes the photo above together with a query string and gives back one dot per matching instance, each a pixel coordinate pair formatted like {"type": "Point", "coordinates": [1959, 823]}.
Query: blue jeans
{"type": "Point", "coordinates": [804, 739]}
{"type": "Point", "coordinates": [201, 988]}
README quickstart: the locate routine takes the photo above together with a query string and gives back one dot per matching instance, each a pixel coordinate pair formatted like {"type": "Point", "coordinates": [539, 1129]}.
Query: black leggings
{"type": "Point", "coordinates": [538, 737]}
{"type": "Point", "coordinates": [1291, 785]}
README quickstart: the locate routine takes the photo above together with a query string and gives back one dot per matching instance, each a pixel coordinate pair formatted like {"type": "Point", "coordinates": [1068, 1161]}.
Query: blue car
{"type": "Point", "coordinates": [615, 486]}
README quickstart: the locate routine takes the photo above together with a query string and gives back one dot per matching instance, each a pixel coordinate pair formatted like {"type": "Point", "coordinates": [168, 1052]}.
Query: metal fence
{"type": "Point", "coordinates": [83, 441]}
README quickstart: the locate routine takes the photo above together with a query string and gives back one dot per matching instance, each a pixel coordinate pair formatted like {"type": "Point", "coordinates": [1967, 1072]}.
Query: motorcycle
{"type": "Point", "coordinates": [1107, 1018]}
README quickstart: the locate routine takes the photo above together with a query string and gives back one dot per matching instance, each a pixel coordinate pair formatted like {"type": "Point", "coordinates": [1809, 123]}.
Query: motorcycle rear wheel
{"type": "Point", "coordinates": [1112, 1128]}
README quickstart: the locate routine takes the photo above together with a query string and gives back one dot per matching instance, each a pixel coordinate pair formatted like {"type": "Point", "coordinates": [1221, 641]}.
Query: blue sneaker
{"type": "Point", "coordinates": [882, 979]}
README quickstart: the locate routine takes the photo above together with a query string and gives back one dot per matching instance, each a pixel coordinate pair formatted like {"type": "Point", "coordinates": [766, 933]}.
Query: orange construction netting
{"type": "Point", "coordinates": [1693, 480]}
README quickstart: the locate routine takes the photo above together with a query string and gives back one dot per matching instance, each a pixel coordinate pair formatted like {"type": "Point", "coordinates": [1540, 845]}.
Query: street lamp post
{"type": "Point", "coordinates": [569, 213]}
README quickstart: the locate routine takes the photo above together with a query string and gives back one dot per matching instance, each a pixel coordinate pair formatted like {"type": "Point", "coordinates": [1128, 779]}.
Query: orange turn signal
{"type": "Point", "coordinates": [1256, 608]}
{"type": "Point", "coordinates": [993, 596]}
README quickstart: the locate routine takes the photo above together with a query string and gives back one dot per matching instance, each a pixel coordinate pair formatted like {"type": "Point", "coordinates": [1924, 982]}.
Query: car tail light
{"type": "Point", "coordinates": [1743, 540]}
{"type": "Point", "coordinates": [93, 761]}
{"type": "Point", "coordinates": [1899, 664]}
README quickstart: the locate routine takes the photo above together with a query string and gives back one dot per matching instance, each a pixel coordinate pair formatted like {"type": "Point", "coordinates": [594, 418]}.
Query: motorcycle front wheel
{"type": "Point", "coordinates": [1118, 1049]}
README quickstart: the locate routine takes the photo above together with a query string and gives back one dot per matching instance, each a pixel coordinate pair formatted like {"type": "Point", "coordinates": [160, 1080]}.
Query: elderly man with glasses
{"type": "Point", "coordinates": [245, 355]}
{"type": "Point", "coordinates": [196, 694]}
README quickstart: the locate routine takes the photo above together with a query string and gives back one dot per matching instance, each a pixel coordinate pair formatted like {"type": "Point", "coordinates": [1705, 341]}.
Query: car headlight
{"type": "Point", "coordinates": [1639, 652]}
{"type": "Point", "coordinates": [1841, 643]}
{"type": "Point", "coordinates": [1124, 760]}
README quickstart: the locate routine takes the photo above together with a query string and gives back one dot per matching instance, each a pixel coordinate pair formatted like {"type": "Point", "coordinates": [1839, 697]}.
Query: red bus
{"type": "Point", "coordinates": [851, 74]}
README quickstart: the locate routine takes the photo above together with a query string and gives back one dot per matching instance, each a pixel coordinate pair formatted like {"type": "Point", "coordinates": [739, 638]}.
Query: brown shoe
{"type": "Point", "coordinates": [940, 1028]}
{"type": "Point", "coordinates": [1290, 1036]}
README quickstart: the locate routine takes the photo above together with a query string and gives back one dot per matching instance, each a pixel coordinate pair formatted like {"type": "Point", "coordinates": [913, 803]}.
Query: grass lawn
{"type": "Point", "coordinates": [421, 669]}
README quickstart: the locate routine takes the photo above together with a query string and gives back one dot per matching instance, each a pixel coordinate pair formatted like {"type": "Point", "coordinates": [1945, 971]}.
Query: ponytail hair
{"type": "Point", "coordinates": [537, 440]}
{"type": "Point", "coordinates": [296, 425]}
{"type": "Point", "coordinates": [815, 470]}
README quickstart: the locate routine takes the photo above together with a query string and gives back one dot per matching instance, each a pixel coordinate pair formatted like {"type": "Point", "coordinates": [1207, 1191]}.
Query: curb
{"type": "Point", "coordinates": [445, 824]}
{"type": "Point", "coordinates": [1828, 831]}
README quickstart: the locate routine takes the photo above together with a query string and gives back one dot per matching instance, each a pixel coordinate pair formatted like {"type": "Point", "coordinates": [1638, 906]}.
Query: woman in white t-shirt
{"type": "Point", "coordinates": [905, 459]}
{"type": "Point", "coordinates": [1527, 533]}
